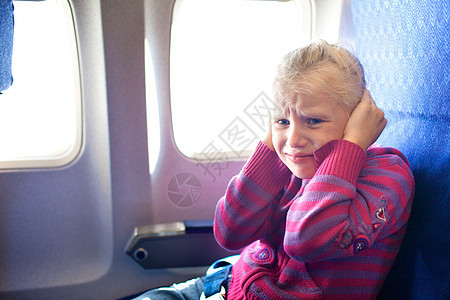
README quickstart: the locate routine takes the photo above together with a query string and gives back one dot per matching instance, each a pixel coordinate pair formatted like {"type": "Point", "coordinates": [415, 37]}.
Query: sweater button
{"type": "Point", "coordinates": [361, 242]}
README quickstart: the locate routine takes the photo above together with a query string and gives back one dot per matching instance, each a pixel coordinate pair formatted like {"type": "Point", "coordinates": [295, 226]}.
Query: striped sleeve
{"type": "Point", "coordinates": [243, 214]}
{"type": "Point", "coordinates": [351, 202]}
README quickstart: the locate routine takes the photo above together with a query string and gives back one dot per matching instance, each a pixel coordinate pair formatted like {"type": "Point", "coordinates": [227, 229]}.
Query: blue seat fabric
{"type": "Point", "coordinates": [6, 43]}
{"type": "Point", "coordinates": [404, 47]}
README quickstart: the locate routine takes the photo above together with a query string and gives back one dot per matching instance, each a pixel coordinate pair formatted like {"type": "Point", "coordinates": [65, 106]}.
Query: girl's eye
{"type": "Point", "coordinates": [283, 122]}
{"type": "Point", "coordinates": [314, 121]}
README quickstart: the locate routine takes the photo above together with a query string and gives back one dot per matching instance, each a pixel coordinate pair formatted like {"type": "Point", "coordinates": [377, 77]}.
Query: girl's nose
{"type": "Point", "coordinates": [296, 137]}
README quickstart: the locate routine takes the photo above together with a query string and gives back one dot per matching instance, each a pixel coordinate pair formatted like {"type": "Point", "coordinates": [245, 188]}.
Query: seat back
{"type": "Point", "coordinates": [404, 47]}
{"type": "Point", "coordinates": [6, 42]}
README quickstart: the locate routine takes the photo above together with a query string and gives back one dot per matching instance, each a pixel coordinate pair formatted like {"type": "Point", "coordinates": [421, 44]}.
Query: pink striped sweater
{"type": "Point", "coordinates": [334, 236]}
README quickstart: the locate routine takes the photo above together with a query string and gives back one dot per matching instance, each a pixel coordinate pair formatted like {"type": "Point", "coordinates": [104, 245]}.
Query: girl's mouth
{"type": "Point", "coordinates": [298, 158]}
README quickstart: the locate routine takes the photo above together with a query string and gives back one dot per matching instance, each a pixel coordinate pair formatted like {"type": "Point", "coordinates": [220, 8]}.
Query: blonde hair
{"type": "Point", "coordinates": [319, 67]}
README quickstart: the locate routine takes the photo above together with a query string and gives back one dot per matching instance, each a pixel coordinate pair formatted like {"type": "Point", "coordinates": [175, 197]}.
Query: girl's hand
{"type": "Point", "coordinates": [365, 123]}
{"type": "Point", "coordinates": [268, 138]}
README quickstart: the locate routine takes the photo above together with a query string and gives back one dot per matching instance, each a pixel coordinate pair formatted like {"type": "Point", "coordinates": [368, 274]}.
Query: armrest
{"type": "Point", "coordinates": [172, 245]}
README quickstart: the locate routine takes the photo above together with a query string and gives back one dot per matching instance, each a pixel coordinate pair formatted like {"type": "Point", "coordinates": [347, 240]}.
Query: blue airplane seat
{"type": "Point", "coordinates": [6, 43]}
{"type": "Point", "coordinates": [404, 47]}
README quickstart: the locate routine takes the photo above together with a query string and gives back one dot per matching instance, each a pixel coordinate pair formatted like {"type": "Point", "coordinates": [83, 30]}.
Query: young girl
{"type": "Point", "coordinates": [319, 211]}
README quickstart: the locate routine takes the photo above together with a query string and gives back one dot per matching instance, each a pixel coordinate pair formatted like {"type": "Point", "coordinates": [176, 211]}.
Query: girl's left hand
{"type": "Point", "coordinates": [365, 123]}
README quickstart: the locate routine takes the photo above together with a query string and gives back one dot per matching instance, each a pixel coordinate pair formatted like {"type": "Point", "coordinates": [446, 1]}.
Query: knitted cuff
{"type": "Point", "coordinates": [266, 169]}
{"type": "Point", "coordinates": [340, 158]}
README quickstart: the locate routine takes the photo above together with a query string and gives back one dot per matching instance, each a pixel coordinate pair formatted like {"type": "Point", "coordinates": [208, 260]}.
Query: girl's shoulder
{"type": "Point", "coordinates": [380, 156]}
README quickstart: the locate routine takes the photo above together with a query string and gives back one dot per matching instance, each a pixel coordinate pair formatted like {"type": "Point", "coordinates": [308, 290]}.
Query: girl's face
{"type": "Point", "coordinates": [314, 121]}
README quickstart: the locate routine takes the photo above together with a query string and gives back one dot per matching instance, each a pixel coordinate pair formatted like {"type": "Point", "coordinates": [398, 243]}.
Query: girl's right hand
{"type": "Point", "coordinates": [268, 138]}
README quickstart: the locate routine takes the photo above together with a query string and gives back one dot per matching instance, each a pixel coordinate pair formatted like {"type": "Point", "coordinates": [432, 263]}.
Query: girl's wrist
{"type": "Point", "coordinates": [363, 144]}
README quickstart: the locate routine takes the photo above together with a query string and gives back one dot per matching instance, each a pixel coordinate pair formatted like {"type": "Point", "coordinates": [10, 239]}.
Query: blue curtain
{"type": "Point", "coordinates": [404, 47]}
{"type": "Point", "coordinates": [6, 42]}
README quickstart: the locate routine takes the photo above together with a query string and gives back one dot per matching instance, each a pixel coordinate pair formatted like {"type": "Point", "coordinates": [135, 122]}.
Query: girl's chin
{"type": "Point", "coordinates": [303, 173]}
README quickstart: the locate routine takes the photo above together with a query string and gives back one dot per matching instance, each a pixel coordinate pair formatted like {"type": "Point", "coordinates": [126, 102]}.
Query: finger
{"type": "Point", "coordinates": [366, 98]}
{"type": "Point", "coordinates": [370, 98]}
{"type": "Point", "coordinates": [372, 102]}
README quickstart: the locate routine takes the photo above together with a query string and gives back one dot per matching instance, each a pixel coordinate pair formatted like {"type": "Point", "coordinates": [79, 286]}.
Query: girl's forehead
{"type": "Point", "coordinates": [320, 102]}
{"type": "Point", "coordinates": [315, 99]}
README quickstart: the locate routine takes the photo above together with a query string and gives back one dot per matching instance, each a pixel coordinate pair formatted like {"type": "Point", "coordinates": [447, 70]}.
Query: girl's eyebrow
{"type": "Point", "coordinates": [317, 115]}
{"type": "Point", "coordinates": [280, 113]}
{"type": "Point", "coordinates": [279, 117]}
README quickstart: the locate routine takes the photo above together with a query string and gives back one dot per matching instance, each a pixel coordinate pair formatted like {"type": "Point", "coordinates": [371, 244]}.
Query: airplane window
{"type": "Point", "coordinates": [223, 55]}
{"type": "Point", "coordinates": [40, 114]}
